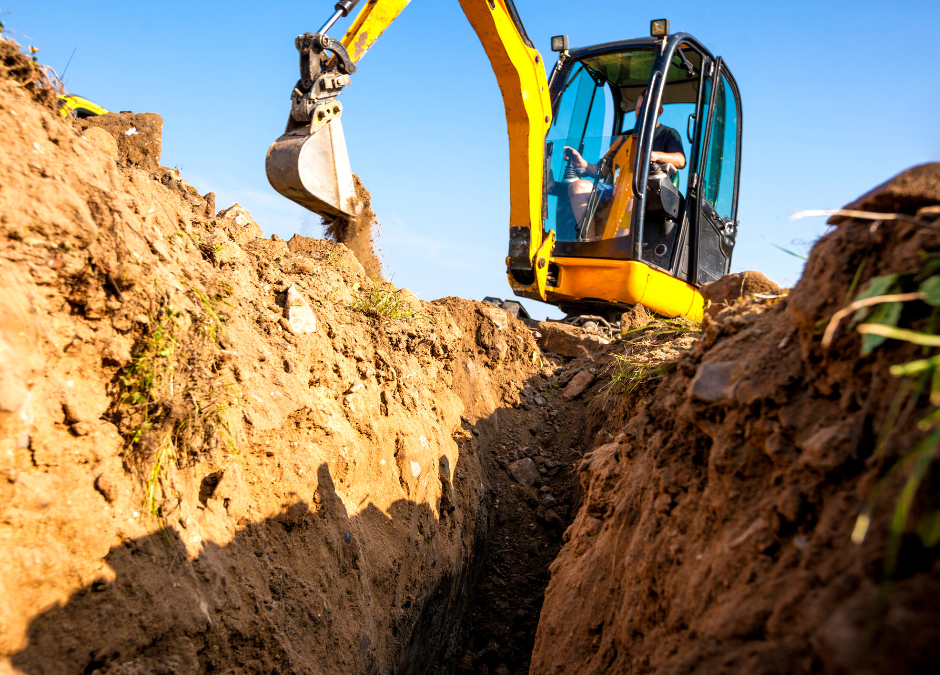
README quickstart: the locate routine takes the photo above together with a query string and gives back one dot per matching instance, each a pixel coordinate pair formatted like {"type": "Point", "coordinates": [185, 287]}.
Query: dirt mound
{"type": "Point", "coordinates": [735, 288]}
{"type": "Point", "coordinates": [717, 529]}
{"type": "Point", "coordinates": [221, 452]}
{"type": "Point", "coordinates": [16, 67]}
{"type": "Point", "coordinates": [359, 234]}
{"type": "Point", "coordinates": [138, 136]}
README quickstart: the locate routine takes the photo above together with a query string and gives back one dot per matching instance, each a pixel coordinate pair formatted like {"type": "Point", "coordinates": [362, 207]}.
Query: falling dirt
{"type": "Point", "coordinates": [359, 234]}
{"type": "Point", "coordinates": [219, 453]}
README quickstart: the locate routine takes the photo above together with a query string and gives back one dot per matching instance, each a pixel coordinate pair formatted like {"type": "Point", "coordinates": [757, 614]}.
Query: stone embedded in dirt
{"type": "Point", "coordinates": [239, 224]}
{"type": "Point", "coordinates": [138, 136]}
{"type": "Point", "coordinates": [733, 287]}
{"type": "Point", "coordinates": [299, 318]}
{"type": "Point", "coordinates": [551, 518]}
{"type": "Point", "coordinates": [579, 383]}
{"type": "Point", "coordinates": [636, 317]}
{"type": "Point", "coordinates": [790, 503]}
{"type": "Point", "coordinates": [714, 382]}
{"type": "Point", "coordinates": [525, 472]}
{"type": "Point", "coordinates": [409, 301]}
{"type": "Point", "coordinates": [830, 447]}
{"type": "Point", "coordinates": [568, 341]}
{"type": "Point", "coordinates": [102, 140]}
{"type": "Point", "coordinates": [108, 487]}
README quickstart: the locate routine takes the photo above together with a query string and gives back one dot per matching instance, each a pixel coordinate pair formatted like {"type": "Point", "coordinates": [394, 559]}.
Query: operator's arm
{"type": "Point", "coordinates": [671, 152]}
{"type": "Point", "coordinates": [677, 159]}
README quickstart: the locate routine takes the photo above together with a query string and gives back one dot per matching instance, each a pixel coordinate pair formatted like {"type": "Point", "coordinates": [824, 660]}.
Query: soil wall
{"type": "Point", "coordinates": [716, 533]}
{"type": "Point", "coordinates": [216, 454]}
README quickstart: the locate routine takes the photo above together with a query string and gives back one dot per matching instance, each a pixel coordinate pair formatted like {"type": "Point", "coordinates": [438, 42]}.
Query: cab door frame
{"type": "Point", "coordinates": [718, 74]}
{"type": "Point", "coordinates": [712, 69]}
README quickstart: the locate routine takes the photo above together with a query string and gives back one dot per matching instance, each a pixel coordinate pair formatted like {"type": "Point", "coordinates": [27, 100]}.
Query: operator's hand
{"type": "Point", "coordinates": [577, 161]}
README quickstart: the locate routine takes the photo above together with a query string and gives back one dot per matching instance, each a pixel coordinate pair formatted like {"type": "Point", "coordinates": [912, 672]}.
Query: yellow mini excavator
{"type": "Point", "coordinates": [592, 239]}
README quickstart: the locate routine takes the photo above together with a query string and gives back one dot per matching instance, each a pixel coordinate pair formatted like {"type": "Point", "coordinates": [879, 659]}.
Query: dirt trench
{"type": "Point", "coordinates": [225, 453]}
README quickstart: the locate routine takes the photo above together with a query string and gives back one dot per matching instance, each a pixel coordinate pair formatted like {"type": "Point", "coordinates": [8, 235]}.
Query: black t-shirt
{"type": "Point", "coordinates": [667, 139]}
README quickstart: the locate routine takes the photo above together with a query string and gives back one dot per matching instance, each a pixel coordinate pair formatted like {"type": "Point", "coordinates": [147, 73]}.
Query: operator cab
{"type": "Point", "coordinates": [681, 222]}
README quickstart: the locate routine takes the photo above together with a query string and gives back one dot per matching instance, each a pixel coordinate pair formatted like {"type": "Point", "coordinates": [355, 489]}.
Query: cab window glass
{"type": "Point", "coordinates": [719, 174]}
{"type": "Point", "coordinates": [582, 122]}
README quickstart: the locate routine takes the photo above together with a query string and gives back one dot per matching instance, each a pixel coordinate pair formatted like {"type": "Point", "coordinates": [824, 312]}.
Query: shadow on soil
{"type": "Point", "coordinates": [308, 600]}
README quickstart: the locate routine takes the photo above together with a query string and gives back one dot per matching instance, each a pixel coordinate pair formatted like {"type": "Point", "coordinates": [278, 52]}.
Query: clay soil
{"type": "Point", "coordinates": [220, 454]}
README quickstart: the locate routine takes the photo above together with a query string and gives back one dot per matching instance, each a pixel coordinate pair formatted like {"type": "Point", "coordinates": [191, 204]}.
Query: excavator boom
{"type": "Point", "coordinates": [626, 232]}
{"type": "Point", "coordinates": [309, 163]}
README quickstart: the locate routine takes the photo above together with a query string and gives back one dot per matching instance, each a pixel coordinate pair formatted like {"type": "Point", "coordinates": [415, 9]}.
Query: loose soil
{"type": "Point", "coordinates": [217, 456]}
{"type": "Point", "coordinates": [359, 234]}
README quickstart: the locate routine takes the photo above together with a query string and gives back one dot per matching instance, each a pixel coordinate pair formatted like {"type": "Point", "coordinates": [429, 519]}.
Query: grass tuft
{"type": "Point", "coordinates": [169, 405]}
{"type": "Point", "coordinates": [383, 300]}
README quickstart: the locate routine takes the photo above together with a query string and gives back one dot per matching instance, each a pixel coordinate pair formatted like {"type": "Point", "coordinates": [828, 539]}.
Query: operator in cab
{"type": "Point", "coordinates": [666, 149]}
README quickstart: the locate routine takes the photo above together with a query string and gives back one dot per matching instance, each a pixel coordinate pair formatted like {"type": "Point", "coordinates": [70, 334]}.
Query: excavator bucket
{"type": "Point", "coordinates": [313, 169]}
{"type": "Point", "coordinates": [309, 163]}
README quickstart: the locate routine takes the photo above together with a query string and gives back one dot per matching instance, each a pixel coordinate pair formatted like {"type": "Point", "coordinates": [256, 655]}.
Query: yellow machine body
{"type": "Point", "coordinates": [520, 74]}
{"type": "Point", "coordinates": [78, 106]}
{"type": "Point", "coordinates": [620, 282]}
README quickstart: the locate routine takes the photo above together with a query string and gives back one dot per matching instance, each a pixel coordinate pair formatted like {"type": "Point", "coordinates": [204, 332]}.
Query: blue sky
{"type": "Point", "coordinates": [837, 97]}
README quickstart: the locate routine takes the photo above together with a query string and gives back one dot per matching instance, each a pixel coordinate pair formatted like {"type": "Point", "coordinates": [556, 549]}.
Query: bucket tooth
{"type": "Point", "coordinates": [313, 170]}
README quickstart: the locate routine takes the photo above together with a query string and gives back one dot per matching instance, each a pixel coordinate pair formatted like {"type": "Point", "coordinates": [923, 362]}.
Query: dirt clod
{"type": "Point", "coordinates": [138, 137]}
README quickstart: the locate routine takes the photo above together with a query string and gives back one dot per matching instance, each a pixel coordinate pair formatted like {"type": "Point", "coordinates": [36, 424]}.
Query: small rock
{"type": "Point", "coordinates": [663, 504]}
{"type": "Point", "coordinates": [102, 140]}
{"type": "Point", "coordinates": [551, 518]}
{"type": "Point", "coordinates": [122, 322]}
{"type": "Point", "coordinates": [549, 501]}
{"type": "Point", "coordinates": [539, 401]}
{"type": "Point", "coordinates": [578, 384]}
{"type": "Point", "coordinates": [83, 428]}
{"type": "Point", "coordinates": [525, 472]}
{"type": "Point", "coordinates": [714, 382]}
{"type": "Point", "coordinates": [117, 352]}
{"type": "Point", "coordinates": [300, 318]}
{"type": "Point", "coordinates": [108, 488]}
{"type": "Point", "coordinates": [830, 447]}
{"type": "Point", "coordinates": [408, 301]}
{"type": "Point", "coordinates": [239, 224]}
{"type": "Point", "coordinates": [415, 469]}
{"type": "Point", "coordinates": [790, 503]}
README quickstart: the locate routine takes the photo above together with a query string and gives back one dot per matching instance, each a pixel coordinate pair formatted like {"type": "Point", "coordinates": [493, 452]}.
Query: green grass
{"type": "Point", "coordinates": [634, 371]}
{"type": "Point", "coordinates": [169, 399]}
{"type": "Point", "coordinates": [383, 300]}
{"type": "Point", "coordinates": [659, 327]}
{"type": "Point", "coordinates": [880, 306]}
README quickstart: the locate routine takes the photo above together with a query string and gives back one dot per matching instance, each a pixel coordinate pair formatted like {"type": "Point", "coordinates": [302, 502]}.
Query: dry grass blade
{"type": "Point", "coordinates": [859, 304]}
{"type": "Point", "coordinates": [860, 215]}
{"type": "Point", "coordinates": [923, 339]}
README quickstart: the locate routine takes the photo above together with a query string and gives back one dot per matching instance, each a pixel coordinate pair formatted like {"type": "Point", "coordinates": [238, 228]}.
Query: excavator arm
{"type": "Point", "coordinates": [309, 163]}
